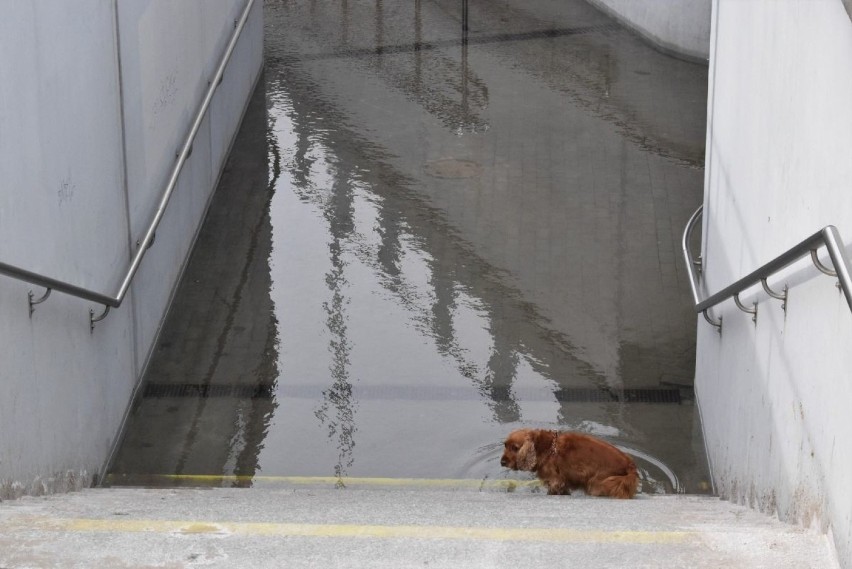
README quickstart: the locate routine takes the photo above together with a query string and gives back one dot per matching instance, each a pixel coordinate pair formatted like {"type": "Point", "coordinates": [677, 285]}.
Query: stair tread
{"type": "Point", "coordinates": [400, 527]}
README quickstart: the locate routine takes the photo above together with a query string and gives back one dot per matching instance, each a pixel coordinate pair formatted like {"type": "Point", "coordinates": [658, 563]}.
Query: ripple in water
{"type": "Point", "coordinates": [656, 477]}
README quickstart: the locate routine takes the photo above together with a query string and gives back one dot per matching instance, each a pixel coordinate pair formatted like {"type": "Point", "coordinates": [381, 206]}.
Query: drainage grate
{"type": "Point", "coordinates": [594, 395]}
{"type": "Point", "coordinates": [212, 390]}
{"type": "Point", "coordinates": [425, 393]}
{"type": "Point", "coordinates": [622, 395]}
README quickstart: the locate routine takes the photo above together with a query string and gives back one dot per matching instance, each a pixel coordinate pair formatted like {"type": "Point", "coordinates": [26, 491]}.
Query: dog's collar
{"type": "Point", "coordinates": [553, 446]}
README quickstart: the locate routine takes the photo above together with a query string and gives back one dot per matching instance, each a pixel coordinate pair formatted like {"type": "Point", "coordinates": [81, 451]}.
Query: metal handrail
{"type": "Point", "coordinates": [144, 244]}
{"type": "Point", "coordinates": [828, 236]}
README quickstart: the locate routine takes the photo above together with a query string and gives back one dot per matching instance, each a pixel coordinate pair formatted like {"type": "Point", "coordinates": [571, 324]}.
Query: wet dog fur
{"type": "Point", "coordinates": [569, 461]}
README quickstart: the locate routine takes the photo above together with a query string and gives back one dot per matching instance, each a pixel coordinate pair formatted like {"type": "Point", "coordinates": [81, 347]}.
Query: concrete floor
{"type": "Point", "coordinates": [424, 239]}
{"type": "Point", "coordinates": [324, 528]}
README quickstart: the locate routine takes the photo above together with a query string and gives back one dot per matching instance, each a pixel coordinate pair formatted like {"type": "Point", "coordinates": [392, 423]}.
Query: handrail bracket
{"type": "Point", "coordinates": [33, 302]}
{"type": "Point", "coordinates": [746, 309]}
{"type": "Point", "coordinates": [818, 264]}
{"type": "Point", "coordinates": [93, 319]}
{"type": "Point", "coordinates": [717, 324]}
{"type": "Point", "coordinates": [824, 269]}
{"type": "Point", "coordinates": [782, 296]}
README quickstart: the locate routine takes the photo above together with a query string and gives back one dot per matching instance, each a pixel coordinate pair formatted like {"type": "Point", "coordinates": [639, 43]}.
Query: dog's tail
{"type": "Point", "coordinates": [621, 485]}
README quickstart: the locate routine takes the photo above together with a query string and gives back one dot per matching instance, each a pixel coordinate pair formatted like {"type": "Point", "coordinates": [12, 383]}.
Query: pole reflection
{"type": "Point", "coordinates": [220, 336]}
{"type": "Point", "coordinates": [401, 216]}
{"type": "Point", "coordinates": [409, 262]}
{"type": "Point", "coordinates": [424, 316]}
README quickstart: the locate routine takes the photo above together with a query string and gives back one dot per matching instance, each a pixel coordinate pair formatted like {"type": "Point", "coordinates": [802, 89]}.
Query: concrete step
{"type": "Point", "coordinates": [380, 527]}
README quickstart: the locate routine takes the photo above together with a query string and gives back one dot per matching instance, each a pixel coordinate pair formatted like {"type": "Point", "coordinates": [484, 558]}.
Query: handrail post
{"type": "Point", "coordinates": [838, 256]}
{"type": "Point", "coordinates": [691, 263]}
{"type": "Point", "coordinates": [695, 267]}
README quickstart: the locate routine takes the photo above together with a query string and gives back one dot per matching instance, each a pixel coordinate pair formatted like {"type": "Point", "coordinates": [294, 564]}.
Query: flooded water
{"type": "Point", "coordinates": [426, 238]}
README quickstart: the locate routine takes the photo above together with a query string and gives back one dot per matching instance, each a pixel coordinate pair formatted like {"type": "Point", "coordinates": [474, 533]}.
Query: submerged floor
{"type": "Point", "coordinates": [426, 238]}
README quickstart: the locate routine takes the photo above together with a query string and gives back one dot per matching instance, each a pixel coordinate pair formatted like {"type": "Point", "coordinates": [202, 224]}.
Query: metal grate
{"type": "Point", "coordinates": [622, 395]}
{"type": "Point", "coordinates": [595, 395]}
{"type": "Point", "coordinates": [212, 390]}
{"type": "Point", "coordinates": [426, 393]}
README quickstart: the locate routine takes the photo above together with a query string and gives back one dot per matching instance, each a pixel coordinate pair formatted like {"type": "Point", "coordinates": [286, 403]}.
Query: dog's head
{"type": "Point", "coordinates": [519, 450]}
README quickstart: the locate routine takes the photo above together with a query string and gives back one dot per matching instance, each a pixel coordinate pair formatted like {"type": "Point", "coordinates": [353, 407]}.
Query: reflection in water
{"type": "Point", "coordinates": [390, 250]}
{"type": "Point", "coordinates": [618, 79]}
{"type": "Point", "coordinates": [337, 408]}
{"type": "Point", "coordinates": [440, 309]}
{"type": "Point", "coordinates": [344, 22]}
{"type": "Point", "coordinates": [502, 372]}
{"type": "Point", "coordinates": [602, 68]}
{"type": "Point", "coordinates": [418, 46]}
{"type": "Point", "coordinates": [406, 229]}
{"type": "Point", "coordinates": [219, 337]}
{"type": "Point", "coordinates": [428, 313]}
{"type": "Point", "coordinates": [442, 85]}
{"type": "Point", "coordinates": [339, 395]}
{"type": "Point", "coordinates": [449, 264]}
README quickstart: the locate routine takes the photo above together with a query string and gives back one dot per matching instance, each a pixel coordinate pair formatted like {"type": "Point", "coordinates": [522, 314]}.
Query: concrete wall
{"type": "Point", "coordinates": [680, 27]}
{"type": "Point", "coordinates": [80, 82]}
{"type": "Point", "coordinates": [775, 395]}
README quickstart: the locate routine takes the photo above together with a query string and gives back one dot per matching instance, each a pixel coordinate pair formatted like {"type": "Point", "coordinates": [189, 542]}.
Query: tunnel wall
{"type": "Point", "coordinates": [95, 99]}
{"type": "Point", "coordinates": [775, 394]}
{"type": "Point", "coordinates": [681, 28]}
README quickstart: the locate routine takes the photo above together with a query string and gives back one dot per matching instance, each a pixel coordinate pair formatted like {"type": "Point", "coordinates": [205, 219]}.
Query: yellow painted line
{"type": "Point", "coordinates": [218, 479]}
{"type": "Point", "coordinates": [559, 535]}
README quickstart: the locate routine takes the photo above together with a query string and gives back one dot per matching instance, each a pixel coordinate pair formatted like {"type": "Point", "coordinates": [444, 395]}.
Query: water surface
{"type": "Point", "coordinates": [426, 238]}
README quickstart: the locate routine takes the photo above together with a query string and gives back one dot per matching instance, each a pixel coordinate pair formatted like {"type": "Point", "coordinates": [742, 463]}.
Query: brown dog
{"type": "Point", "coordinates": [567, 461]}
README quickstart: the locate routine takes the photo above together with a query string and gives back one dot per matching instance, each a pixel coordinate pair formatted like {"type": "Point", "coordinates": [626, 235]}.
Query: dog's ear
{"type": "Point", "coordinates": [526, 454]}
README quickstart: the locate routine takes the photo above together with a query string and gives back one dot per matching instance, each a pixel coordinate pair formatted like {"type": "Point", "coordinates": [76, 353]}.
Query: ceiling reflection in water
{"type": "Point", "coordinates": [465, 234]}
